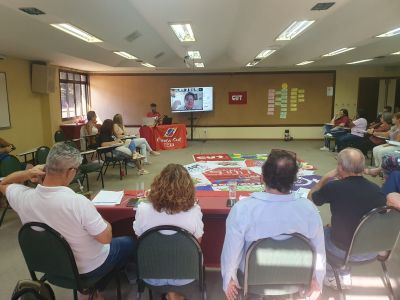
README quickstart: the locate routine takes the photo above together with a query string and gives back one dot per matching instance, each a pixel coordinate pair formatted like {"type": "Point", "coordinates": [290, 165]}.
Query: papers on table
{"type": "Point", "coordinates": [108, 198]}
{"type": "Point", "coordinates": [394, 143]}
{"type": "Point", "coordinates": [302, 193]}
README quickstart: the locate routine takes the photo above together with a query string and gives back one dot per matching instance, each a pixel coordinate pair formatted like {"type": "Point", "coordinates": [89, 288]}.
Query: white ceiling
{"type": "Point", "coordinates": [229, 33]}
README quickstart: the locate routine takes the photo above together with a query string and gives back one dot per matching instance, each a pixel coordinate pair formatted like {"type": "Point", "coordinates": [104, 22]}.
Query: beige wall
{"type": "Point", "coordinates": [34, 117]}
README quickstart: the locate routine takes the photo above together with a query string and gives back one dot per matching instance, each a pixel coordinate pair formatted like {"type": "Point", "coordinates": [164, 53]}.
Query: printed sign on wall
{"type": "Point", "coordinates": [237, 97]}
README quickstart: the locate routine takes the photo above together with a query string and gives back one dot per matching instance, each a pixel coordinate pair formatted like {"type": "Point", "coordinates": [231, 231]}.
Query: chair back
{"type": "Point", "coordinates": [169, 256]}
{"type": "Point", "coordinates": [46, 251]}
{"type": "Point", "coordinates": [383, 225]}
{"type": "Point", "coordinates": [279, 266]}
{"type": "Point", "coordinates": [59, 136]}
{"type": "Point", "coordinates": [41, 155]}
{"type": "Point", "coordinates": [9, 164]}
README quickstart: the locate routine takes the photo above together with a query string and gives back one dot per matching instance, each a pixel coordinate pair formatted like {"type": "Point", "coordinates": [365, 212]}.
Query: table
{"type": "Point", "coordinates": [165, 137]}
{"type": "Point", "coordinates": [72, 131]}
{"type": "Point", "coordinates": [215, 212]}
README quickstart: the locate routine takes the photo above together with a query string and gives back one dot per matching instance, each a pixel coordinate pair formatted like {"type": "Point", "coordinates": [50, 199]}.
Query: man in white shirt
{"type": "Point", "coordinates": [72, 215]}
{"type": "Point", "coordinates": [270, 214]}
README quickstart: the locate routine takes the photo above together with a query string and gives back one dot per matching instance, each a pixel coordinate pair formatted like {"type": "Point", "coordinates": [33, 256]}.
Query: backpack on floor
{"type": "Point", "coordinates": [32, 290]}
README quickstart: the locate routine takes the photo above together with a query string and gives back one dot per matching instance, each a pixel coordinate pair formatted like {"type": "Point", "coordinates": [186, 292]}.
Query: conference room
{"type": "Point", "coordinates": [196, 101]}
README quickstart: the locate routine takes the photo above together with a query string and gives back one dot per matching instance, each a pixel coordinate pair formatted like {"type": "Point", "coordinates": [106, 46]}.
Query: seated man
{"type": "Point", "coordinates": [351, 196]}
{"type": "Point", "coordinates": [72, 215]}
{"type": "Point", "coordinates": [271, 213]}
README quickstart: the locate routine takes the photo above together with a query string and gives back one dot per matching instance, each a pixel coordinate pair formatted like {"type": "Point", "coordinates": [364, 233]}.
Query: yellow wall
{"type": "Point", "coordinates": [34, 117]}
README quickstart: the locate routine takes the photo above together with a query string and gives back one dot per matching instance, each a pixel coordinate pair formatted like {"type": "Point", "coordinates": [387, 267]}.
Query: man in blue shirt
{"type": "Point", "coordinates": [271, 213]}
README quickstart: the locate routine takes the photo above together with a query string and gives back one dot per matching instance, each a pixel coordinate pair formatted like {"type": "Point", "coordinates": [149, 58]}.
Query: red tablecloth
{"type": "Point", "coordinates": [215, 212]}
{"type": "Point", "coordinates": [165, 137]}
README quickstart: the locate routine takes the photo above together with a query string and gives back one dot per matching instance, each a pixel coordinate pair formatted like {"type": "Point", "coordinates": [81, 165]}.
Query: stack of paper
{"type": "Point", "coordinates": [108, 198]}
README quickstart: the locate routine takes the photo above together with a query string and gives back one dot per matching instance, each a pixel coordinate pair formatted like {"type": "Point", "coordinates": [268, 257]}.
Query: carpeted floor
{"type": "Point", "coordinates": [367, 280]}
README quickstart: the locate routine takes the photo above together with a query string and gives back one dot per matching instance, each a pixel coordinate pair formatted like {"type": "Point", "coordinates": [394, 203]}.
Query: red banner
{"type": "Point", "coordinates": [168, 137]}
{"type": "Point", "coordinates": [237, 97]}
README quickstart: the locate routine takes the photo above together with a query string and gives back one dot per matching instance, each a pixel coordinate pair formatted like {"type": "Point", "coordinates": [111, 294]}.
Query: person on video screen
{"type": "Point", "coordinates": [190, 103]}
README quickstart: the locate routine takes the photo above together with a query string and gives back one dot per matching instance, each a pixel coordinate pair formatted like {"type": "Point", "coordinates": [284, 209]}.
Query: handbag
{"type": "Point", "coordinates": [33, 290]}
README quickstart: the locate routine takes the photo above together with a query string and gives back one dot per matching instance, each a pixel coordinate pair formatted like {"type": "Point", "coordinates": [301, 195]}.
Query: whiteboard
{"type": "Point", "coordinates": [4, 108]}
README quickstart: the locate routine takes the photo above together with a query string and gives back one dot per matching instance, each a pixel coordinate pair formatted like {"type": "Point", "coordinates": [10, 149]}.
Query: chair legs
{"type": "Point", "coordinates": [338, 284]}
{"type": "Point", "coordinates": [118, 286]}
{"type": "Point", "coordinates": [75, 295]}
{"type": "Point", "coordinates": [387, 279]}
{"type": "Point", "coordinates": [4, 213]}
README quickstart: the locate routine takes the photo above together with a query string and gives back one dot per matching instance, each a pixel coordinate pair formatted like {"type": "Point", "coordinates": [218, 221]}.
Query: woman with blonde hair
{"type": "Point", "coordinates": [120, 132]}
{"type": "Point", "coordinates": [171, 202]}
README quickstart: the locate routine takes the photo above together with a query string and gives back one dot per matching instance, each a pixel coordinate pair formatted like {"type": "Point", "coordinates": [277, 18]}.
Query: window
{"type": "Point", "coordinates": [74, 94]}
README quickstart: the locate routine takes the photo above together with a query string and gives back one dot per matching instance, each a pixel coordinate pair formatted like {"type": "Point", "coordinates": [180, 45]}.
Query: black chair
{"type": "Point", "coordinates": [86, 168]}
{"type": "Point", "coordinates": [106, 154]}
{"type": "Point", "coordinates": [383, 224]}
{"type": "Point", "coordinates": [8, 165]}
{"type": "Point", "coordinates": [41, 155]}
{"type": "Point", "coordinates": [46, 251]}
{"type": "Point", "coordinates": [59, 136]}
{"type": "Point", "coordinates": [279, 267]}
{"type": "Point", "coordinates": [174, 256]}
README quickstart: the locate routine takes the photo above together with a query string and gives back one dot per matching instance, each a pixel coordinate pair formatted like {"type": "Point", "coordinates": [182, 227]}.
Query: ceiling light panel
{"type": "Point", "coordinates": [199, 65]}
{"type": "Point", "coordinates": [76, 32]}
{"type": "Point", "coordinates": [305, 63]}
{"type": "Point", "coordinates": [339, 51]}
{"type": "Point", "coordinates": [183, 32]}
{"type": "Point", "coordinates": [148, 65]}
{"type": "Point", "coordinates": [359, 61]}
{"type": "Point", "coordinates": [294, 30]}
{"type": "Point", "coordinates": [390, 33]}
{"type": "Point", "coordinates": [396, 53]}
{"type": "Point", "coordinates": [194, 54]}
{"type": "Point", "coordinates": [125, 55]}
{"type": "Point", "coordinates": [265, 53]}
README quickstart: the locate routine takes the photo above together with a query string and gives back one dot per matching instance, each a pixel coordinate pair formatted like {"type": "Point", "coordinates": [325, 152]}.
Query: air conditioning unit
{"type": "Point", "coordinates": [43, 79]}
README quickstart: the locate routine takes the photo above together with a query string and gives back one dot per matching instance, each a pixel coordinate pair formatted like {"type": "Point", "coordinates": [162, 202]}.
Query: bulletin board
{"type": "Point", "coordinates": [4, 108]}
{"type": "Point", "coordinates": [273, 99]}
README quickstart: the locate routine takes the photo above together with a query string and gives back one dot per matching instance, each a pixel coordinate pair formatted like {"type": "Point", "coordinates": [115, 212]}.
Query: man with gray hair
{"type": "Point", "coordinates": [350, 196]}
{"type": "Point", "coordinates": [72, 215]}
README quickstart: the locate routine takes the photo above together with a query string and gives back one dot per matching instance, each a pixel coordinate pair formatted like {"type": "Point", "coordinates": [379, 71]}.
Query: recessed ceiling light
{"type": "Point", "coordinates": [199, 65]}
{"type": "Point", "coordinates": [194, 54]}
{"type": "Point", "coordinates": [76, 32]}
{"type": "Point", "coordinates": [305, 63]}
{"type": "Point", "coordinates": [390, 33]}
{"type": "Point", "coordinates": [125, 55]}
{"type": "Point", "coordinates": [294, 30]}
{"type": "Point", "coordinates": [339, 51]}
{"type": "Point", "coordinates": [148, 65]}
{"type": "Point", "coordinates": [265, 53]}
{"type": "Point", "coordinates": [359, 61]}
{"type": "Point", "coordinates": [183, 32]}
{"type": "Point", "coordinates": [396, 53]}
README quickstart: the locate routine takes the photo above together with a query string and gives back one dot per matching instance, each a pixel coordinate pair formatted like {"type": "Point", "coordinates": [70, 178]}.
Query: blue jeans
{"type": "Point", "coordinates": [392, 183]}
{"type": "Point", "coordinates": [335, 251]}
{"type": "Point", "coordinates": [122, 251]}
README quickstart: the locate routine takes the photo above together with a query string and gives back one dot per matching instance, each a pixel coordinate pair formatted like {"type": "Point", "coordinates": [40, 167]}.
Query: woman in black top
{"type": "Point", "coordinates": [106, 138]}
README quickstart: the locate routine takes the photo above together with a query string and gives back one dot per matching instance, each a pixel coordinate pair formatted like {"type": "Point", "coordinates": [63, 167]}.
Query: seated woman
{"type": "Point", "coordinates": [120, 132]}
{"type": "Point", "coordinates": [336, 127]}
{"type": "Point", "coordinates": [393, 134]}
{"type": "Point", "coordinates": [88, 132]}
{"type": "Point", "coordinates": [171, 202]}
{"type": "Point", "coordinates": [106, 138]}
{"type": "Point", "coordinates": [358, 129]}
